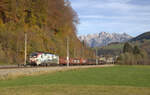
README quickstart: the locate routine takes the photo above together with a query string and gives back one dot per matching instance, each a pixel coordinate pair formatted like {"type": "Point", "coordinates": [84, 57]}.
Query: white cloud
{"type": "Point", "coordinates": [120, 1]}
{"type": "Point", "coordinates": [96, 5]}
{"type": "Point", "coordinates": [97, 15]}
{"type": "Point", "coordinates": [128, 18]}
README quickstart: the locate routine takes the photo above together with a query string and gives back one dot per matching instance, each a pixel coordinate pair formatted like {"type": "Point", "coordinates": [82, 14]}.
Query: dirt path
{"type": "Point", "coordinates": [14, 73]}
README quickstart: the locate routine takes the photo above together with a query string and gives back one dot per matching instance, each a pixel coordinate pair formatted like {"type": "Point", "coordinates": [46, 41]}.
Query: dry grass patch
{"type": "Point", "coordinates": [74, 90]}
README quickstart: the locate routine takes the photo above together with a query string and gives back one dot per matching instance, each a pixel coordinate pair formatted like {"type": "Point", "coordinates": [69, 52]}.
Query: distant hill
{"type": "Point", "coordinates": [104, 38]}
{"type": "Point", "coordinates": [141, 37]}
{"type": "Point", "coordinates": [143, 41]}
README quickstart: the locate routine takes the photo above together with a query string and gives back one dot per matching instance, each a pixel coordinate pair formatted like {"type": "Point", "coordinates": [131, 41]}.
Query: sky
{"type": "Point", "coordinates": [113, 16]}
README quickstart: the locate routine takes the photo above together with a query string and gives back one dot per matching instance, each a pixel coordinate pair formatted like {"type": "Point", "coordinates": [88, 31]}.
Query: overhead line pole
{"type": "Point", "coordinates": [68, 52]}
{"type": "Point", "coordinates": [96, 57]}
{"type": "Point", "coordinates": [25, 50]}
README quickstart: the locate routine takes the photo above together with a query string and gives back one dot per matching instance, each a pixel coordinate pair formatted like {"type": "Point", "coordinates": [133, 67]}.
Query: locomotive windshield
{"type": "Point", "coordinates": [33, 55]}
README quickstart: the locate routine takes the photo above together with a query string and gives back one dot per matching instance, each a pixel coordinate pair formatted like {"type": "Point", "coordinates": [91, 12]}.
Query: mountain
{"type": "Point", "coordinates": [143, 41]}
{"type": "Point", "coordinates": [141, 37]}
{"type": "Point", "coordinates": [104, 38]}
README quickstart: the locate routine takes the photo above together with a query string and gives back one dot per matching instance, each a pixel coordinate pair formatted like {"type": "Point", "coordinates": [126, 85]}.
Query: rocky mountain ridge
{"type": "Point", "coordinates": [104, 38]}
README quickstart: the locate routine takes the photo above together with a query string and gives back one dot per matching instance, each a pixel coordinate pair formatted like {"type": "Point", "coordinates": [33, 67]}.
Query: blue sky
{"type": "Point", "coordinates": [113, 16]}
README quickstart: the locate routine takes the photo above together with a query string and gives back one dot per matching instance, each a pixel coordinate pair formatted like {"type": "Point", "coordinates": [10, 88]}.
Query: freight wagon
{"type": "Point", "coordinates": [72, 61]}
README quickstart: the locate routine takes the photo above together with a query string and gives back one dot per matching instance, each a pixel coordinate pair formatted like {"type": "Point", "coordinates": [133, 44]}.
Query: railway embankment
{"type": "Point", "coordinates": [6, 74]}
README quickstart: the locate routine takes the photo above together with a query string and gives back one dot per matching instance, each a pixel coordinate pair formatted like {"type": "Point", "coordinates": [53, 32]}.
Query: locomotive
{"type": "Point", "coordinates": [40, 58]}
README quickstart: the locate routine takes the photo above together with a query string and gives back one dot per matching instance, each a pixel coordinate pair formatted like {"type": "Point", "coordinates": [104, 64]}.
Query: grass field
{"type": "Point", "coordinates": [114, 46]}
{"type": "Point", "coordinates": [117, 80]}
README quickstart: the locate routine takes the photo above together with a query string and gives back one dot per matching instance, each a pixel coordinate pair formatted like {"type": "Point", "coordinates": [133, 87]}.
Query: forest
{"type": "Point", "coordinates": [47, 23]}
{"type": "Point", "coordinates": [133, 55]}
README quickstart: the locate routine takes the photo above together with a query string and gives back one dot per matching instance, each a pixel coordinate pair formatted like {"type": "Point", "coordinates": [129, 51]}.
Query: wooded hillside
{"type": "Point", "coordinates": [48, 23]}
{"type": "Point", "coordinates": [144, 36]}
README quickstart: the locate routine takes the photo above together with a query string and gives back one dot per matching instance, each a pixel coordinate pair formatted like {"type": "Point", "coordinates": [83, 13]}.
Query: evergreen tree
{"type": "Point", "coordinates": [127, 48]}
{"type": "Point", "coordinates": [136, 50]}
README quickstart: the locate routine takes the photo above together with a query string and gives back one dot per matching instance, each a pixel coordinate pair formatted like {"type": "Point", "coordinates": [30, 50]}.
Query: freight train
{"type": "Point", "coordinates": [45, 59]}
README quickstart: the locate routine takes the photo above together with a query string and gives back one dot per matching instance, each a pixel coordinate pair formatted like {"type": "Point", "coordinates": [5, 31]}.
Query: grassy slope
{"type": "Point", "coordinates": [131, 80]}
{"type": "Point", "coordinates": [114, 46]}
{"type": "Point", "coordinates": [112, 49]}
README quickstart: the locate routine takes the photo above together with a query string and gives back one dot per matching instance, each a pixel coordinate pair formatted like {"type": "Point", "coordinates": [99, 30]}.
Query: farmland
{"type": "Point", "coordinates": [117, 80]}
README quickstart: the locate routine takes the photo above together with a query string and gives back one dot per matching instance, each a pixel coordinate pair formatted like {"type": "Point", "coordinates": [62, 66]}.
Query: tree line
{"type": "Point", "coordinates": [133, 55]}
{"type": "Point", "coordinates": [46, 22]}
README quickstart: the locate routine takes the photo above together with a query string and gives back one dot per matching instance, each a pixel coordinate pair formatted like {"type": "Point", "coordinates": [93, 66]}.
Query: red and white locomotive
{"type": "Point", "coordinates": [41, 58]}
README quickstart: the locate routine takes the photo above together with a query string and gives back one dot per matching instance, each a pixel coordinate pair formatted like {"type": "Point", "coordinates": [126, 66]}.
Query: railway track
{"type": "Point", "coordinates": [22, 66]}
{"type": "Point", "coordinates": [8, 66]}
{"type": "Point", "coordinates": [12, 67]}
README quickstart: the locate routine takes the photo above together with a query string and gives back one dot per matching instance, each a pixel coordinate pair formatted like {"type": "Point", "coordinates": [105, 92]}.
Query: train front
{"type": "Point", "coordinates": [33, 59]}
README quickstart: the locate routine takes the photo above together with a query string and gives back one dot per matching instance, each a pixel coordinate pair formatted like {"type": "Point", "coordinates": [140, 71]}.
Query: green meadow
{"type": "Point", "coordinates": [117, 80]}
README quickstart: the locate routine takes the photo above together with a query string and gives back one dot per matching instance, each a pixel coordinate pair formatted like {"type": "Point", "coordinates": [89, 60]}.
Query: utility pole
{"type": "Point", "coordinates": [74, 52]}
{"type": "Point", "coordinates": [96, 57]}
{"type": "Point", "coordinates": [25, 50]}
{"type": "Point", "coordinates": [67, 52]}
